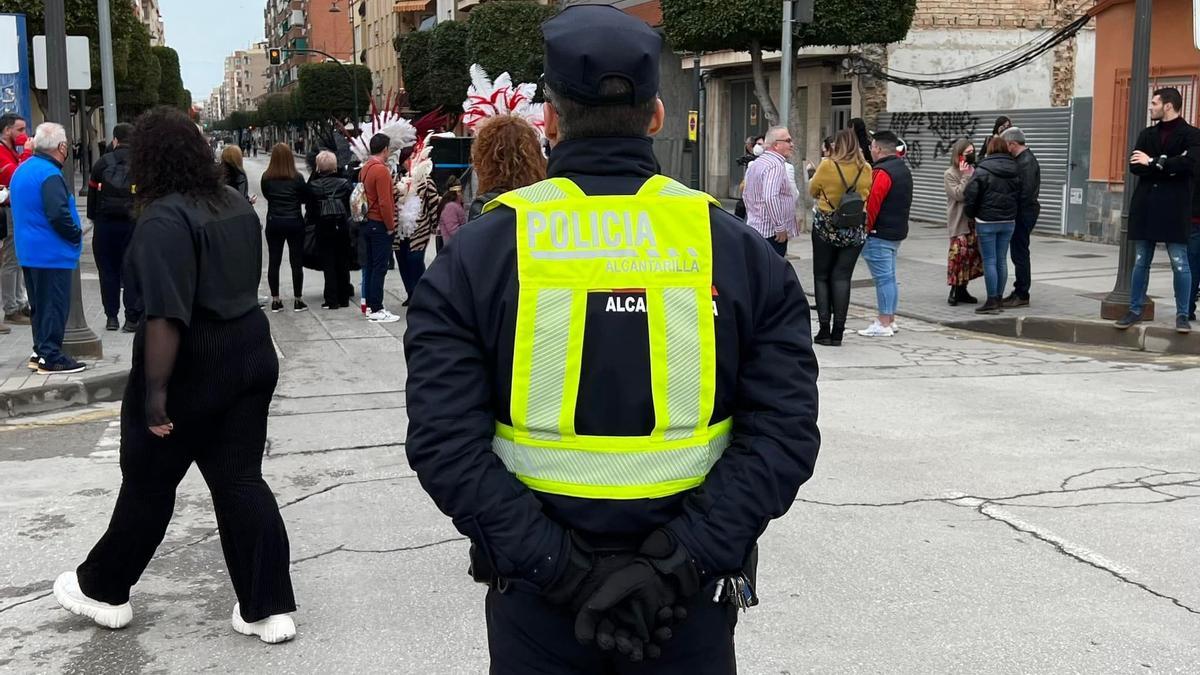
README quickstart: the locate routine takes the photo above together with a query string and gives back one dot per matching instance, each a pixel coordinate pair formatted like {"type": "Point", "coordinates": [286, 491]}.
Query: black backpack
{"type": "Point", "coordinates": [851, 211]}
{"type": "Point", "coordinates": [116, 191]}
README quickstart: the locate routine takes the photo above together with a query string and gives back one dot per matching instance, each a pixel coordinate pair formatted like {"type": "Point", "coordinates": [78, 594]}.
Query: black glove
{"type": "Point", "coordinates": [631, 611]}
{"type": "Point", "coordinates": [583, 572]}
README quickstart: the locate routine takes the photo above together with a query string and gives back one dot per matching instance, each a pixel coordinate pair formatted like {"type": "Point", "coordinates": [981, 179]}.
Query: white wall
{"type": "Point", "coordinates": [1085, 62]}
{"type": "Point", "coordinates": [935, 52]}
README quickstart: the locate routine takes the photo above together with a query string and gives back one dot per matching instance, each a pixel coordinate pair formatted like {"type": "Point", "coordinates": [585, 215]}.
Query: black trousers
{"type": "Point", "coordinates": [833, 267]}
{"type": "Point", "coordinates": [290, 232]}
{"type": "Point", "coordinates": [110, 240]}
{"type": "Point", "coordinates": [218, 398]}
{"type": "Point", "coordinates": [526, 635]}
{"type": "Point", "coordinates": [334, 246]}
{"type": "Point", "coordinates": [1019, 248]}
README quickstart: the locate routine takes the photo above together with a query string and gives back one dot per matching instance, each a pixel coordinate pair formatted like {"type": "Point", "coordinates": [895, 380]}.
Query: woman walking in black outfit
{"type": "Point", "coordinates": [285, 190]}
{"type": "Point", "coordinates": [328, 208]}
{"type": "Point", "coordinates": [203, 374]}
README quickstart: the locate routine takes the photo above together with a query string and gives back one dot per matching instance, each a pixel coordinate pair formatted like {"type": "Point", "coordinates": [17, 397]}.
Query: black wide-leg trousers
{"type": "Point", "coordinates": [218, 399]}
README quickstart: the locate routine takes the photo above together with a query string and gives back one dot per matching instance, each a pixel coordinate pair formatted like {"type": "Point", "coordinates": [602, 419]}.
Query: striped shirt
{"type": "Point", "coordinates": [770, 204]}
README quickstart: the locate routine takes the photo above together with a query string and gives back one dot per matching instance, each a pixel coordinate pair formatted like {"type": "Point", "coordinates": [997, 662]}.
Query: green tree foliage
{"type": "Point", "coordinates": [185, 101]}
{"type": "Point", "coordinates": [277, 111]}
{"type": "Point", "coordinates": [436, 67]}
{"type": "Point", "coordinates": [238, 120]}
{"type": "Point", "coordinates": [415, 63]}
{"type": "Point", "coordinates": [82, 20]}
{"type": "Point", "coordinates": [754, 25]}
{"type": "Point", "coordinates": [326, 90]}
{"type": "Point", "coordinates": [506, 36]}
{"type": "Point", "coordinates": [138, 90]}
{"type": "Point", "coordinates": [170, 84]}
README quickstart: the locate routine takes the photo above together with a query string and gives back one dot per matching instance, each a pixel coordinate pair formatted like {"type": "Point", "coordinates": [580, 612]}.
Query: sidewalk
{"type": "Point", "coordinates": [1070, 278]}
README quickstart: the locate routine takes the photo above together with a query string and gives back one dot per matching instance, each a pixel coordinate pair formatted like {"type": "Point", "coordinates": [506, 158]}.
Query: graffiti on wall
{"type": "Point", "coordinates": [929, 136]}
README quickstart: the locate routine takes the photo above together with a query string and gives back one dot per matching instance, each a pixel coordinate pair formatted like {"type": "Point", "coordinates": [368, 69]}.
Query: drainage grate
{"type": "Point", "coordinates": [1083, 256]}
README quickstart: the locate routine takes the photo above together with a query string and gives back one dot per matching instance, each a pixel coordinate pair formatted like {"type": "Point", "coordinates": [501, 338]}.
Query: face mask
{"type": "Point", "coordinates": [969, 158]}
{"type": "Point", "coordinates": [20, 140]}
{"type": "Point", "coordinates": [758, 149]}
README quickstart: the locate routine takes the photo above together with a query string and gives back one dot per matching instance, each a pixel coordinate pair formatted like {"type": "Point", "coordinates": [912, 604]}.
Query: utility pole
{"type": "Point", "coordinates": [79, 339]}
{"type": "Point", "coordinates": [697, 164]}
{"type": "Point", "coordinates": [785, 67]}
{"type": "Point", "coordinates": [1116, 304]}
{"type": "Point", "coordinates": [107, 79]}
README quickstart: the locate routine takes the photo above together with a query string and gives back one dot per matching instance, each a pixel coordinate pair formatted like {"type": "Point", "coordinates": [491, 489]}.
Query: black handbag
{"type": "Point", "coordinates": [312, 255]}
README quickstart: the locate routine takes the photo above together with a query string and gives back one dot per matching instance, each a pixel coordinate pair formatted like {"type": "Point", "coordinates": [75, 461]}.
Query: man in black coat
{"type": "Point", "coordinates": [1028, 209]}
{"type": "Point", "coordinates": [110, 208]}
{"type": "Point", "coordinates": [1164, 160]}
{"type": "Point", "coordinates": [558, 559]}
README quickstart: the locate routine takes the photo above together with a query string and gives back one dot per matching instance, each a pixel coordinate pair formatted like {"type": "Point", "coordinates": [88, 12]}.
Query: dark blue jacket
{"type": "Point", "coordinates": [45, 222]}
{"type": "Point", "coordinates": [459, 346]}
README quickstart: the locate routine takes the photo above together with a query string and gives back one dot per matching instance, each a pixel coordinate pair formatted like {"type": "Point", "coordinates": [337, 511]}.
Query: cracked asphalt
{"type": "Point", "coordinates": [979, 505]}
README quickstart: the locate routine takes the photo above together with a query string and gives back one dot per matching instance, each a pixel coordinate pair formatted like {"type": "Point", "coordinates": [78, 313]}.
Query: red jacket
{"type": "Point", "coordinates": [9, 161]}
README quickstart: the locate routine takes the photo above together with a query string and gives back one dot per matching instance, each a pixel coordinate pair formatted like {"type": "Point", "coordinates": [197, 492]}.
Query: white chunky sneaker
{"type": "Point", "coordinates": [876, 329]}
{"type": "Point", "coordinates": [895, 327]}
{"type": "Point", "coordinates": [72, 599]}
{"type": "Point", "coordinates": [272, 630]}
{"type": "Point", "coordinates": [382, 316]}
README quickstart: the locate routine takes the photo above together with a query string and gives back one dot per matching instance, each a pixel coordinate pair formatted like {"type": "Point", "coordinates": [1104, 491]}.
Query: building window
{"type": "Point", "coordinates": [841, 96]}
{"type": "Point", "coordinates": [1186, 83]}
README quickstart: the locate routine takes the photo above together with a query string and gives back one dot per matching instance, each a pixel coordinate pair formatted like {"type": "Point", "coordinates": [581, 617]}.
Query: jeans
{"type": "Point", "coordinates": [880, 255]}
{"type": "Point", "coordinates": [994, 239]}
{"type": "Point", "coordinates": [12, 281]}
{"type": "Point", "coordinates": [375, 246]}
{"type": "Point", "coordinates": [110, 240]}
{"type": "Point", "coordinates": [1194, 266]}
{"type": "Point", "coordinates": [1020, 255]}
{"type": "Point", "coordinates": [833, 266]}
{"type": "Point", "coordinates": [1141, 276]}
{"type": "Point", "coordinates": [411, 265]}
{"type": "Point", "coordinates": [50, 296]}
{"type": "Point", "coordinates": [290, 232]}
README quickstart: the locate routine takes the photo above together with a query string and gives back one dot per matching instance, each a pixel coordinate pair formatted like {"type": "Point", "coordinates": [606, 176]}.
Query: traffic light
{"type": "Point", "coordinates": [275, 56]}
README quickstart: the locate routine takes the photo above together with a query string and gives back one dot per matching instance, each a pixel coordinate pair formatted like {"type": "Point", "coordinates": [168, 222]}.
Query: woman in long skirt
{"type": "Point", "coordinates": [964, 262]}
{"type": "Point", "coordinates": [201, 381]}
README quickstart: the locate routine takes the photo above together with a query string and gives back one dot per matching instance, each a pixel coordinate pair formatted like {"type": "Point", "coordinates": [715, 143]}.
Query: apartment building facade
{"type": "Point", "coordinates": [298, 25]}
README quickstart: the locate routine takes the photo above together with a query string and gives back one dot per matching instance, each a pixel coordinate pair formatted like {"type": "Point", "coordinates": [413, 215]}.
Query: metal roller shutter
{"type": "Point", "coordinates": [929, 136]}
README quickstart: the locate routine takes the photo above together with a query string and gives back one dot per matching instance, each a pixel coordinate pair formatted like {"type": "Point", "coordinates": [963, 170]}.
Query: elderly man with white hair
{"type": "Point", "coordinates": [49, 241]}
{"type": "Point", "coordinates": [769, 196]}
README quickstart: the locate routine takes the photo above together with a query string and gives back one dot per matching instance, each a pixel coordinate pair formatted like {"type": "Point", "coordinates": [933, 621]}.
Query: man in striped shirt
{"type": "Point", "coordinates": [770, 203]}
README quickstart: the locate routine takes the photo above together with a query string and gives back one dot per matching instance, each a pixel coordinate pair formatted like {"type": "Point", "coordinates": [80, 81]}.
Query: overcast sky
{"type": "Point", "coordinates": [204, 32]}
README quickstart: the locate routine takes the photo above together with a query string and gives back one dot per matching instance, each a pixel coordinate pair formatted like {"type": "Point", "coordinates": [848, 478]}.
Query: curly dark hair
{"type": "Point", "coordinates": [506, 154]}
{"type": "Point", "coordinates": [168, 155]}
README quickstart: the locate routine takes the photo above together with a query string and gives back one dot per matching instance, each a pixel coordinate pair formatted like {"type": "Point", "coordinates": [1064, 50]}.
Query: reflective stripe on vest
{"type": "Point", "coordinates": [569, 243]}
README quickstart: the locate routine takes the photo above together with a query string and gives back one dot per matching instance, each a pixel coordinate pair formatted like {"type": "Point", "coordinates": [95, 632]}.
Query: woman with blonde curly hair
{"type": "Point", "coordinates": [506, 155]}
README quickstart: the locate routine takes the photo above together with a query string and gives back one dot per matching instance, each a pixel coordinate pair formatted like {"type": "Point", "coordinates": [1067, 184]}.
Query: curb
{"type": "Point", "coordinates": [1154, 339]}
{"type": "Point", "coordinates": [58, 396]}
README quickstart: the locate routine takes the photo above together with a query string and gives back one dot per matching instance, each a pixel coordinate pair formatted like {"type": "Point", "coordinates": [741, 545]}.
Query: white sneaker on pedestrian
{"type": "Point", "coordinates": [71, 597]}
{"type": "Point", "coordinates": [877, 329]}
{"type": "Point", "coordinates": [382, 316]}
{"type": "Point", "coordinates": [272, 630]}
{"type": "Point", "coordinates": [895, 326]}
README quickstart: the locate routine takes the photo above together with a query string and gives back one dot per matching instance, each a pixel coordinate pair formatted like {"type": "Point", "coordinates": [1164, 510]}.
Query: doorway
{"type": "Point", "coordinates": [746, 119]}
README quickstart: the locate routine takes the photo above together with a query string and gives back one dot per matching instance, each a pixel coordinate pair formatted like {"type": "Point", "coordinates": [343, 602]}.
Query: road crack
{"type": "Point", "coordinates": [342, 548]}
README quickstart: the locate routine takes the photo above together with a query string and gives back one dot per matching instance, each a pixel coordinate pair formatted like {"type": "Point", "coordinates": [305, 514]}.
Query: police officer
{"type": "Point", "coordinates": [611, 388]}
{"type": "Point", "coordinates": [110, 208]}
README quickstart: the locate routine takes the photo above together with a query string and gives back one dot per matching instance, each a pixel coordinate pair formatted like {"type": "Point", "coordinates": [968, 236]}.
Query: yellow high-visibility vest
{"type": "Point", "coordinates": [569, 243]}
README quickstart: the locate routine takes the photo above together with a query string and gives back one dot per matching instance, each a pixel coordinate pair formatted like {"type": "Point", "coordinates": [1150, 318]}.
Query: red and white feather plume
{"type": "Point", "coordinates": [487, 98]}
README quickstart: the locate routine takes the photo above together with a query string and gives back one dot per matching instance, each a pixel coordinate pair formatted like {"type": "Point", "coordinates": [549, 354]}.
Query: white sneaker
{"type": "Point", "coordinates": [71, 597]}
{"type": "Point", "coordinates": [895, 326]}
{"type": "Point", "coordinates": [877, 330]}
{"type": "Point", "coordinates": [382, 316]}
{"type": "Point", "coordinates": [272, 630]}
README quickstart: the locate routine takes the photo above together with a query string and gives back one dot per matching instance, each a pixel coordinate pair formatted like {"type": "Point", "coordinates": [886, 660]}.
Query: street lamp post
{"type": "Point", "coordinates": [1116, 304]}
{"type": "Point", "coordinates": [79, 340]}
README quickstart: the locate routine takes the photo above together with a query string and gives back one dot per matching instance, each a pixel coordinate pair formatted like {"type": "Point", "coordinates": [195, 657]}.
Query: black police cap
{"type": "Point", "coordinates": [587, 43]}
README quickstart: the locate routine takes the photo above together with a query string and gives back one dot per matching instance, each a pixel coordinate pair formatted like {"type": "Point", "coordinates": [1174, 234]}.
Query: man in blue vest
{"type": "Point", "coordinates": [49, 241]}
{"type": "Point", "coordinates": [612, 388]}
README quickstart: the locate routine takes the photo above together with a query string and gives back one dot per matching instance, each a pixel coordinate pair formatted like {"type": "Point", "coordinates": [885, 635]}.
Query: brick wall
{"type": "Point", "coordinates": [996, 13]}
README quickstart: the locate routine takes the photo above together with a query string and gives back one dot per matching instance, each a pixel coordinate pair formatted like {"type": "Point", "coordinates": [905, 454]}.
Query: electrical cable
{"type": "Point", "coordinates": [1024, 55]}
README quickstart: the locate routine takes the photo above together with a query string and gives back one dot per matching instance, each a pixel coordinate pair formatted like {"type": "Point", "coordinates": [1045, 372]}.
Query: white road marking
{"type": "Point", "coordinates": [109, 445]}
{"type": "Point", "coordinates": [1085, 554]}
